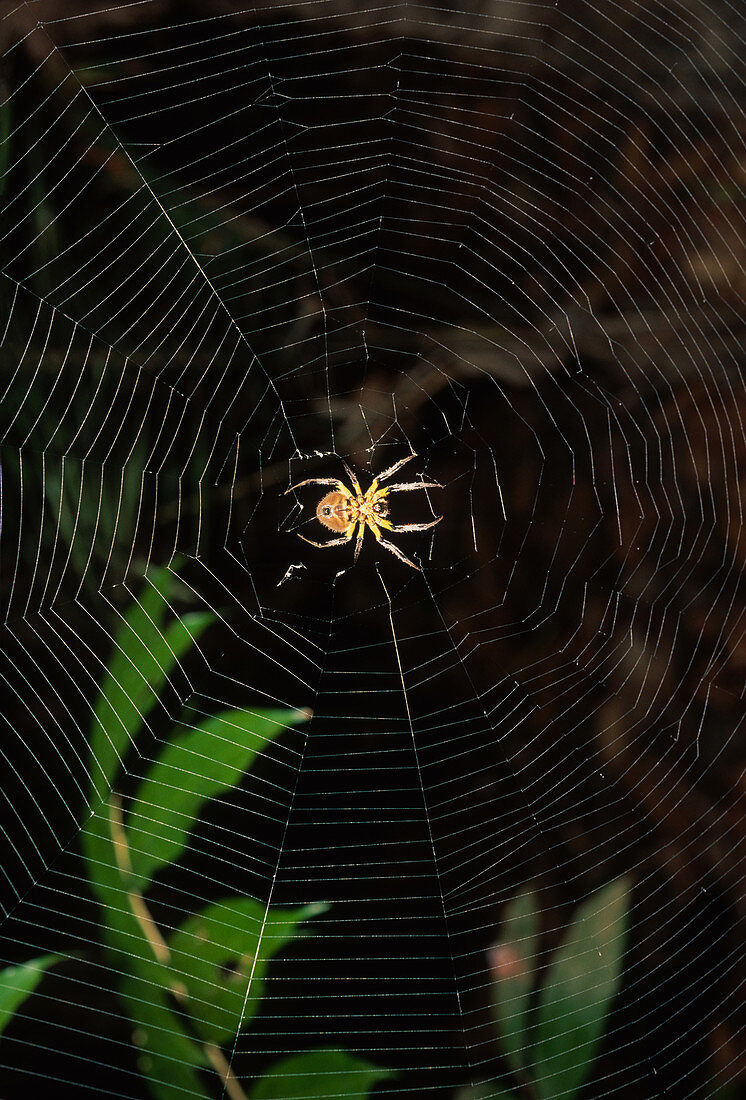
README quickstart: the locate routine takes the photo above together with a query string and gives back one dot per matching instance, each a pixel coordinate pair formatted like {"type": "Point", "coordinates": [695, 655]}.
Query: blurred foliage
{"type": "Point", "coordinates": [93, 510]}
{"type": "Point", "coordinates": [550, 1036]}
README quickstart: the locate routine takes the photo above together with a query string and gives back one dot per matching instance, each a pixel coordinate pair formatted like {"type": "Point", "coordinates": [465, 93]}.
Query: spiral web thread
{"type": "Point", "coordinates": [238, 248]}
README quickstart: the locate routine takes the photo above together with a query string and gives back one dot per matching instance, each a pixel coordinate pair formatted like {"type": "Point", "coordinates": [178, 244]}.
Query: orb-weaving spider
{"type": "Point", "coordinates": [342, 510]}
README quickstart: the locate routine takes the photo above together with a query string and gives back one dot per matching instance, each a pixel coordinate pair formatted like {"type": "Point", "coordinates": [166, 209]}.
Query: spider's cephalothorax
{"type": "Point", "coordinates": [343, 510]}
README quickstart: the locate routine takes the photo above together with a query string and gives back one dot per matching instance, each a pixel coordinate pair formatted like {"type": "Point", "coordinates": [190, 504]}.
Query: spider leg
{"type": "Point", "coordinates": [408, 526]}
{"type": "Point", "coordinates": [397, 466]}
{"type": "Point", "coordinates": [381, 494]}
{"type": "Point", "coordinates": [341, 487]}
{"type": "Point", "coordinates": [353, 480]}
{"type": "Point", "coordinates": [397, 553]}
{"type": "Point", "coordinates": [390, 546]}
{"type": "Point", "coordinates": [359, 543]}
{"type": "Point", "coordinates": [332, 542]}
{"type": "Point", "coordinates": [406, 486]}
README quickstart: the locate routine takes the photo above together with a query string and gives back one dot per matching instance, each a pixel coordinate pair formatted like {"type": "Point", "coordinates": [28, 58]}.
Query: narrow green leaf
{"type": "Point", "coordinates": [513, 964]}
{"type": "Point", "coordinates": [18, 982]}
{"type": "Point", "coordinates": [220, 952]}
{"type": "Point", "coordinates": [143, 619]}
{"type": "Point", "coordinates": [194, 766]}
{"type": "Point", "coordinates": [319, 1075]}
{"type": "Point", "coordinates": [144, 655]}
{"type": "Point", "coordinates": [583, 978]}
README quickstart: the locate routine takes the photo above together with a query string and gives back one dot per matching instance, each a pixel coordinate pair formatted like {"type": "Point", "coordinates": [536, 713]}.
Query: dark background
{"type": "Point", "coordinates": [237, 244]}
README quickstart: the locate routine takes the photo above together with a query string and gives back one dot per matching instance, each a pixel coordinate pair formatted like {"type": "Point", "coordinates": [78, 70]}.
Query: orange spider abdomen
{"type": "Point", "coordinates": [334, 511]}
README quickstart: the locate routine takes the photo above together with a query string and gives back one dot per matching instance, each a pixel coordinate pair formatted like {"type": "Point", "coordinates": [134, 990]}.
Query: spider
{"type": "Point", "coordinates": [342, 509]}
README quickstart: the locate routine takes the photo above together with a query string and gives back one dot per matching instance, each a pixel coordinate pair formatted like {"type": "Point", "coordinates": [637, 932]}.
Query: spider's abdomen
{"type": "Point", "coordinates": [334, 512]}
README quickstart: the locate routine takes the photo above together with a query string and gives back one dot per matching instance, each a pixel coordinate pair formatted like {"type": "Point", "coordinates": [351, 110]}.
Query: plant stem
{"type": "Point", "coordinates": [159, 946]}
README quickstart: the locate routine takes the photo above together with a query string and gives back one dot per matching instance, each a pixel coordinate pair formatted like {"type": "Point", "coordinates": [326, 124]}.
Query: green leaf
{"type": "Point", "coordinates": [513, 963]}
{"type": "Point", "coordinates": [18, 982]}
{"type": "Point", "coordinates": [583, 978]}
{"type": "Point", "coordinates": [193, 767]}
{"type": "Point", "coordinates": [319, 1075]}
{"type": "Point", "coordinates": [220, 952]}
{"type": "Point", "coordinates": [144, 655]}
{"type": "Point", "coordinates": [170, 1057]}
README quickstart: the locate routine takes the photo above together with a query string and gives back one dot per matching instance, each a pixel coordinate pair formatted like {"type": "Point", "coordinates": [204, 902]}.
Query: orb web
{"type": "Point", "coordinates": [244, 246]}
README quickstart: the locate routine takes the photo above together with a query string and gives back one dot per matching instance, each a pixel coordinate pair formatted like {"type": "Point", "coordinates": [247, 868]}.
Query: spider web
{"type": "Point", "coordinates": [242, 244]}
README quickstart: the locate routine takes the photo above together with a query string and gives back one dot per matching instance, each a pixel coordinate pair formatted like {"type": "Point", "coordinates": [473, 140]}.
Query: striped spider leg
{"type": "Point", "coordinates": [381, 494]}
